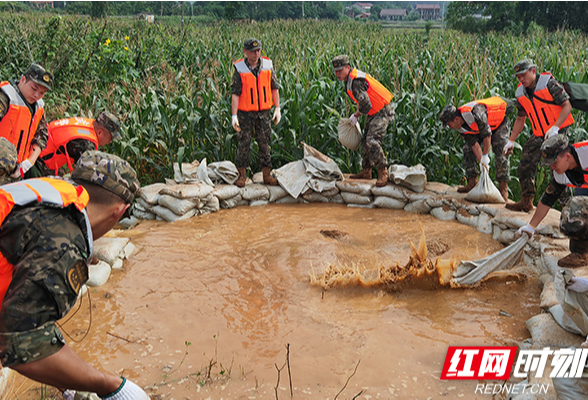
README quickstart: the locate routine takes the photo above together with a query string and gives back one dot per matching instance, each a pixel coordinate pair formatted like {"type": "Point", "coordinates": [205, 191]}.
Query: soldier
{"type": "Point", "coordinates": [544, 100]}
{"type": "Point", "coordinates": [373, 100]}
{"type": "Point", "coordinates": [47, 228]}
{"type": "Point", "coordinates": [255, 90]}
{"type": "Point", "coordinates": [69, 138]}
{"type": "Point", "coordinates": [569, 163]}
{"type": "Point", "coordinates": [7, 161]}
{"type": "Point", "coordinates": [482, 123]}
{"type": "Point", "coordinates": [22, 119]}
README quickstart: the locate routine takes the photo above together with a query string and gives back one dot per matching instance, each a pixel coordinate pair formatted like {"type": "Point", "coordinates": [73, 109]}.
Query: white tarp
{"type": "Point", "coordinates": [472, 272]}
{"type": "Point", "coordinates": [223, 171]}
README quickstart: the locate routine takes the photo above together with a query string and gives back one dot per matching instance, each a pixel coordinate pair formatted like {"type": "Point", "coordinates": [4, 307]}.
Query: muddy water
{"type": "Point", "coordinates": [218, 298]}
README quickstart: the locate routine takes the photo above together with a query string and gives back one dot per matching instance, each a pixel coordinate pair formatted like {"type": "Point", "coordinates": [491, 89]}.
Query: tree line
{"type": "Point", "coordinates": [517, 17]}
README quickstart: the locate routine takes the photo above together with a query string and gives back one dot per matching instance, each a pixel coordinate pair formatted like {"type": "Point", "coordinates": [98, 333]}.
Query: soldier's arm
{"type": "Point", "coordinates": [42, 135]}
{"type": "Point", "coordinates": [77, 147]}
{"type": "Point", "coordinates": [560, 97]}
{"type": "Point", "coordinates": [359, 89]}
{"type": "Point", "coordinates": [236, 88]}
{"type": "Point", "coordinates": [4, 104]}
{"type": "Point", "coordinates": [481, 117]}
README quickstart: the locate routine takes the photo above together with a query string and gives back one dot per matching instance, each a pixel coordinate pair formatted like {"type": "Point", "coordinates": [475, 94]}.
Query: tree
{"type": "Point", "coordinates": [99, 9]}
{"type": "Point", "coordinates": [375, 11]}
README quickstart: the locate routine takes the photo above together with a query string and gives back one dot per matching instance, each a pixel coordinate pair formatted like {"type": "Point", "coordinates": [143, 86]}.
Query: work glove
{"type": "Point", "coordinates": [235, 123]}
{"type": "Point", "coordinates": [277, 116]}
{"type": "Point", "coordinates": [353, 119]}
{"type": "Point", "coordinates": [127, 391]}
{"type": "Point", "coordinates": [554, 130]}
{"type": "Point", "coordinates": [578, 284]}
{"type": "Point", "coordinates": [507, 151]}
{"type": "Point", "coordinates": [21, 169]}
{"type": "Point", "coordinates": [69, 395]}
{"type": "Point", "coordinates": [485, 161]}
{"type": "Point", "coordinates": [528, 229]}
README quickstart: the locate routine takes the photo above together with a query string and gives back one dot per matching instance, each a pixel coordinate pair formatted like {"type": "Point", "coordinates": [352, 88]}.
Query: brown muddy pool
{"type": "Point", "coordinates": [206, 308]}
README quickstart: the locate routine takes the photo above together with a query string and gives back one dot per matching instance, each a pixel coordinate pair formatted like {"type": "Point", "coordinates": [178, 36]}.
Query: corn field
{"type": "Point", "coordinates": [170, 85]}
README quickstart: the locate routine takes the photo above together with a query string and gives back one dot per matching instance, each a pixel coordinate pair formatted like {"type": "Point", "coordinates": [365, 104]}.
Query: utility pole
{"type": "Point", "coordinates": [303, 10]}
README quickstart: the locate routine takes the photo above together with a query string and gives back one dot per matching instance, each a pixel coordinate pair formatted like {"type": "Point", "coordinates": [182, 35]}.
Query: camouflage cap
{"type": "Point", "coordinates": [252, 44]}
{"type": "Point", "coordinates": [39, 75]}
{"type": "Point", "coordinates": [551, 148]}
{"type": "Point", "coordinates": [8, 158]}
{"type": "Point", "coordinates": [523, 66]}
{"type": "Point", "coordinates": [110, 122]}
{"type": "Point", "coordinates": [109, 171]}
{"type": "Point", "coordinates": [340, 61]}
{"type": "Point", "coordinates": [447, 114]}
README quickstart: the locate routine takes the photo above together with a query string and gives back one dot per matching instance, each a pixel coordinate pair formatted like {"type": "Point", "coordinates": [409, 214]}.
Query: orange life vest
{"type": "Point", "coordinates": [496, 111]}
{"type": "Point", "coordinates": [18, 125]}
{"type": "Point", "coordinates": [51, 191]}
{"type": "Point", "coordinates": [256, 93]}
{"type": "Point", "coordinates": [61, 132]}
{"type": "Point", "coordinates": [542, 115]}
{"type": "Point", "coordinates": [378, 94]}
{"type": "Point", "coordinates": [582, 151]}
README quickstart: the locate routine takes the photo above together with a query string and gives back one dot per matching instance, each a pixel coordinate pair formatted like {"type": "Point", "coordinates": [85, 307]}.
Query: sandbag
{"type": "Point", "coordinates": [546, 332]}
{"type": "Point", "coordinates": [224, 192]}
{"type": "Point", "coordinates": [485, 191]}
{"type": "Point", "coordinates": [223, 171]}
{"type": "Point", "coordinates": [414, 178]}
{"type": "Point", "coordinates": [444, 213]}
{"type": "Point", "coordinates": [276, 193]}
{"type": "Point", "coordinates": [108, 249]}
{"type": "Point", "coordinates": [202, 173]}
{"type": "Point", "coordinates": [360, 188]}
{"type": "Point", "coordinates": [150, 193]}
{"type": "Point", "coordinates": [178, 206]}
{"type": "Point", "coordinates": [388, 202]}
{"type": "Point", "coordinates": [354, 198]}
{"type": "Point", "coordinates": [167, 215]}
{"type": "Point", "coordinates": [472, 272]}
{"type": "Point", "coordinates": [187, 191]}
{"type": "Point", "coordinates": [574, 304]}
{"type": "Point", "coordinates": [98, 274]}
{"type": "Point", "coordinates": [419, 207]}
{"type": "Point", "coordinates": [211, 205]}
{"type": "Point", "coordinates": [349, 135]}
{"type": "Point", "coordinates": [255, 191]}
{"type": "Point", "coordinates": [230, 203]}
{"type": "Point", "coordinates": [571, 388]}
{"type": "Point", "coordinates": [187, 173]}
{"type": "Point", "coordinates": [143, 214]}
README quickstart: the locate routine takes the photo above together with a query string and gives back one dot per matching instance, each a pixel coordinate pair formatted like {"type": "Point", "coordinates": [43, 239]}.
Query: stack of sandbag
{"type": "Point", "coordinates": [147, 197]}
{"type": "Point", "coordinates": [414, 178]}
{"type": "Point", "coordinates": [182, 201]}
{"type": "Point", "coordinates": [357, 193]}
{"type": "Point", "coordinates": [110, 252]}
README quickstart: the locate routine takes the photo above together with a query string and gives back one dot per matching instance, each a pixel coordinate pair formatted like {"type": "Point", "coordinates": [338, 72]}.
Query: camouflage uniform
{"type": "Point", "coordinates": [499, 138]}
{"type": "Point", "coordinates": [531, 154]}
{"type": "Point", "coordinates": [253, 123]}
{"type": "Point", "coordinates": [48, 247]}
{"type": "Point", "coordinates": [375, 127]}
{"type": "Point", "coordinates": [8, 160]}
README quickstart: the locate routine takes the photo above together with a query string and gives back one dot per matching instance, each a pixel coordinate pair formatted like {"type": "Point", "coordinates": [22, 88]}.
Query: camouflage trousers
{"type": "Point", "coordinates": [574, 223]}
{"type": "Point", "coordinates": [530, 157]}
{"type": "Point", "coordinates": [254, 124]}
{"type": "Point", "coordinates": [499, 138]}
{"type": "Point", "coordinates": [371, 140]}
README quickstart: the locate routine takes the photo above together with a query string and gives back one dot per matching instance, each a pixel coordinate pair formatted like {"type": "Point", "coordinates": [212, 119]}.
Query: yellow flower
{"type": "Point", "coordinates": [126, 38]}
{"type": "Point", "coordinates": [100, 58]}
{"type": "Point", "coordinates": [107, 42]}
{"type": "Point", "coordinates": [126, 48]}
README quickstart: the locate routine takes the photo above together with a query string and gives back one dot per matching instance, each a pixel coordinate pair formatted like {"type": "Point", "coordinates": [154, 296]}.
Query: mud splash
{"type": "Point", "coordinates": [235, 286]}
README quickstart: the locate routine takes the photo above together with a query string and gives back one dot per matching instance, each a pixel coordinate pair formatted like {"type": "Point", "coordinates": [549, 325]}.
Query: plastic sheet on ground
{"type": "Point", "coordinates": [485, 191]}
{"type": "Point", "coordinates": [315, 171]}
{"type": "Point", "coordinates": [472, 272]}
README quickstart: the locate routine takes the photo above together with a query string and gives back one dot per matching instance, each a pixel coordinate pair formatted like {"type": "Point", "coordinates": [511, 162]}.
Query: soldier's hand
{"type": "Point", "coordinates": [554, 130]}
{"type": "Point", "coordinates": [528, 229]}
{"type": "Point", "coordinates": [353, 119]}
{"type": "Point", "coordinates": [508, 147]}
{"type": "Point", "coordinates": [485, 161]}
{"type": "Point", "coordinates": [578, 284]}
{"type": "Point", "coordinates": [21, 169]}
{"type": "Point", "coordinates": [235, 123]}
{"type": "Point", "coordinates": [128, 390]}
{"type": "Point", "coordinates": [277, 116]}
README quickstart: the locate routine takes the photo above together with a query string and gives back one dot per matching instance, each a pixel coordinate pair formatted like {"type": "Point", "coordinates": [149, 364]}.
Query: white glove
{"type": "Point", "coordinates": [277, 116]}
{"type": "Point", "coordinates": [235, 123]}
{"type": "Point", "coordinates": [22, 169]}
{"type": "Point", "coordinates": [508, 148]}
{"type": "Point", "coordinates": [129, 391]}
{"type": "Point", "coordinates": [69, 395]}
{"type": "Point", "coordinates": [353, 119]}
{"type": "Point", "coordinates": [579, 285]}
{"type": "Point", "coordinates": [554, 130]}
{"type": "Point", "coordinates": [485, 161]}
{"type": "Point", "coordinates": [528, 229]}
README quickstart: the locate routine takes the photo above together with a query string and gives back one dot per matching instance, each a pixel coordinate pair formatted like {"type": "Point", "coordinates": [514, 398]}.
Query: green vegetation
{"type": "Point", "coordinates": [171, 85]}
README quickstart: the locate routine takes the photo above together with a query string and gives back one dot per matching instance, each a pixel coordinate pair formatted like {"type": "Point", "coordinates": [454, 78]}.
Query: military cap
{"type": "Point", "coordinates": [551, 148]}
{"type": "Point", "coordinates": [39, 75]}
{"type": "Point", "coordinates": [340, 61]}
{"type": "Point", "coordinates": [447, 114]}
{"type": "Point", "coordinates": [252, 44]}
{"type": "Point", "coordinates": [523, 66]}
{"type": "Point", "coordinates": [109, 171]}
{"type": "Point", "coordinates": [8, 158]}
{"type": "Point", "coordinates": [110, 122]}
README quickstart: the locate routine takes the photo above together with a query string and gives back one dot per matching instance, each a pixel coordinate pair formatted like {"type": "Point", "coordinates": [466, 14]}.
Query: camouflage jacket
{"type": "Point", "coordinates": [554, 189]}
